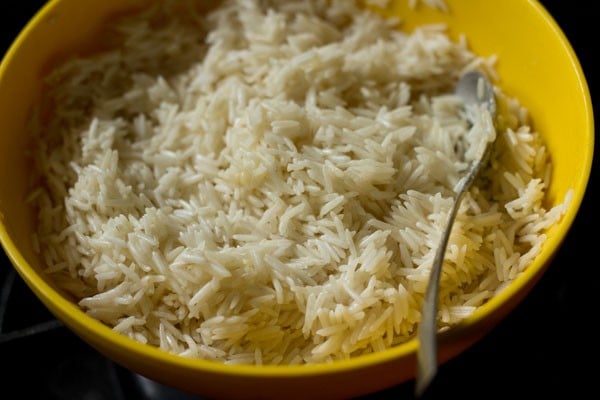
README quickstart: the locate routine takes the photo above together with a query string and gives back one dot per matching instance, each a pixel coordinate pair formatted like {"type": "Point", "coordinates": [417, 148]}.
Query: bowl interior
{"type": "Point", "coordinates": [536, 65]}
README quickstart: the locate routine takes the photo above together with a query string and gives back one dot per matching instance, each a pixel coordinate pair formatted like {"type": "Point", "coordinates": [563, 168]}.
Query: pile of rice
{"type": "Point", "coordinates": [266, 182]}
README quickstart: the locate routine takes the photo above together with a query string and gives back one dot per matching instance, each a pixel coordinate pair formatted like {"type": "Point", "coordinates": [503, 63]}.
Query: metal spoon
{"type": "Point", "coordinates": [480, 107]}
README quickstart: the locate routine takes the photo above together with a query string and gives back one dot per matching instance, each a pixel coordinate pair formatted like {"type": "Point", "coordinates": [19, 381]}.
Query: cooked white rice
{"type": "Point", "coordinates": [267, 183]}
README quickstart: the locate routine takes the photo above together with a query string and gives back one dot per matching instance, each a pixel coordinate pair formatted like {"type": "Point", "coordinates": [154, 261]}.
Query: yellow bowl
{"type": "Point", "coordinates": [530, 59]}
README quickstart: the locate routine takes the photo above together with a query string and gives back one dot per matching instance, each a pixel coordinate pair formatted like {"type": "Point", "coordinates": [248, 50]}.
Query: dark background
{"type": "Point", "coordinates": [547, 347]}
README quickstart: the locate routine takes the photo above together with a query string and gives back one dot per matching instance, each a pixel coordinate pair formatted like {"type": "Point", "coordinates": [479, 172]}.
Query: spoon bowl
{"type": "Point", "coordinates": [475, 88]}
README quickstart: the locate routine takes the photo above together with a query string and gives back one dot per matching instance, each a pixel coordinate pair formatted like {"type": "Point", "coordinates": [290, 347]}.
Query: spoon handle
{"type": "Point", "coordinates": [427, 352]}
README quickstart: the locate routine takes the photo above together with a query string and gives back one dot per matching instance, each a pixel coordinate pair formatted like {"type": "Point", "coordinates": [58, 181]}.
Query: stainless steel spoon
{"type": "Point", "coordinates": [480, 108]}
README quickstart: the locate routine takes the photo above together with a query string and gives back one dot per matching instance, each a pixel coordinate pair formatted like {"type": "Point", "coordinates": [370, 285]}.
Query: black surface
{"type": "Point", "coordinates": [547, 347]}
